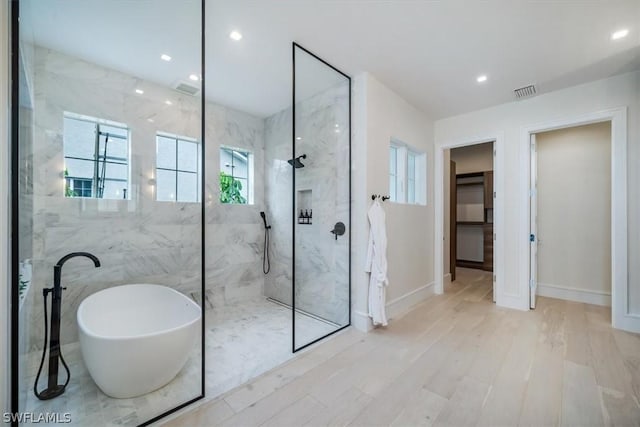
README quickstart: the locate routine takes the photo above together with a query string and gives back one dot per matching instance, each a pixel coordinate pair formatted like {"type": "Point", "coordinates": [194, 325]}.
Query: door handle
{"type": "Point", "coordinates": [338, 229]}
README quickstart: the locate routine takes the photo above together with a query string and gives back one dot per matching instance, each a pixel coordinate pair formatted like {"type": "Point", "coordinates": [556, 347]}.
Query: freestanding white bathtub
{"type": "Point", "coordinates": [136, 338]}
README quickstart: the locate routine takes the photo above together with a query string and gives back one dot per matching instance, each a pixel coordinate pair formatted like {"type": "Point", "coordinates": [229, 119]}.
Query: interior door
{"type": "Point", "coordinates": [453, 217]}
{"type": "Point", "coordinates": [533, 237]}
{"type": "Point", "coordinates": [321, 199]}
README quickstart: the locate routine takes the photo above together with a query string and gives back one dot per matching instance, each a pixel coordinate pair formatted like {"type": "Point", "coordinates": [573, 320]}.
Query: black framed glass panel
{"type": "Point", "coordinates": [321, 198]}
{"type": "Point", "coordinates": [108, 281]}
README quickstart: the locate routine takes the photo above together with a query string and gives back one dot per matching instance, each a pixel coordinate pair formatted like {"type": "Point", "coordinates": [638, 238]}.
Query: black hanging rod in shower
{"type": "Point", "coordinates": [376, 196]}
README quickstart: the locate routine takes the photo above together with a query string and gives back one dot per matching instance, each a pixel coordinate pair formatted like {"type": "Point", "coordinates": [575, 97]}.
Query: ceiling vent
{"type": "Point", "coordinates": [187, 88]}
{"type": "Point", "coordinates": [525, 91]}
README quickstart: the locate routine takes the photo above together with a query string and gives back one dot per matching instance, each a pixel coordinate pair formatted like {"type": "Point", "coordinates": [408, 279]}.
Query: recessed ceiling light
{"type": "Point", "coordinates": [165, 57]}
{"type": "Point", "coordinates": [235, 35]}
{"type": "Point", "coordinates": [139, 91]}
{"type": "Point", "coordinates": [481, 79]}
{"type": "Point", "coordinates": [150, 120]}
{"type": "Point", "coordinates": [298, 138]}
{"type": "Point", "coordinates": [620, 34]}
{"type": "Point", "coordinates": [194, 77]}
{"type": "Point", "coordinates": [168, 102]}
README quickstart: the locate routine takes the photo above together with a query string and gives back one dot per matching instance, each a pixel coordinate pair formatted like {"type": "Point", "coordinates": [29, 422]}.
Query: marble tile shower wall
{"type": "Point", "coordinates": [278, 184]}
{"type": "Point", "coordinates": [138, 240]}
{"type": "Point", "coordinates": [322, 263]}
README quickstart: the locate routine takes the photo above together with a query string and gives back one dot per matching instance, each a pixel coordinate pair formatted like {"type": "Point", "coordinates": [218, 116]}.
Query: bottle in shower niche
{"type": "Point", "coordinates": [306, 216]}
{"type": "Point", "coordinates": [301, 217]}
{"type": "Point", "coordinates": [310, 216]}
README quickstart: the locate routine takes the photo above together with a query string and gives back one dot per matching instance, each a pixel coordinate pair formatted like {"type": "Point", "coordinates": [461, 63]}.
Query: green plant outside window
{"type": "Point", "coordinates": [231, 190]}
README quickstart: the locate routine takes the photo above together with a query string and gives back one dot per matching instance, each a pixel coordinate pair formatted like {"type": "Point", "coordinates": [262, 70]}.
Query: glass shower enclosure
{"type": "Point", "coordinates": [108, 163]}
{"type": "Point", "coordinates": [115, 274]}
{"type": "Point", "coordinates": [321, 185]}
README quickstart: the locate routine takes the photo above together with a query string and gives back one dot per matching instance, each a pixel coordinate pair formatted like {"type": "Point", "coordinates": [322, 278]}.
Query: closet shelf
{"type": "Point", "coordinates": [470, 222]}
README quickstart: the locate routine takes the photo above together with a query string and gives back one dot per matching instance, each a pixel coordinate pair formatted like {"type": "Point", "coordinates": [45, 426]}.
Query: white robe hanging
{"type": "Point", "coordinates": [377, 264]}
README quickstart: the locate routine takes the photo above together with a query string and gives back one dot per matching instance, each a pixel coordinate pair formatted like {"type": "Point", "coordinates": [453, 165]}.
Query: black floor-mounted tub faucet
{"type": "Point", "coordinates": [55, 355]}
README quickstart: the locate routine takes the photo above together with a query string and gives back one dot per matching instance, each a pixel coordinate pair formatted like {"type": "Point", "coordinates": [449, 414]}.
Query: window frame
{"type": "Point", "coordinates": [71, 181]}
{"type": "Point", "coordinates": [198, 173]}
{"type": "Point", "coordinates": [402, 178]}
{"type": "Point", "coordinates": [98, 157]}
{"type": "Point", "coordinates": [250, 171]}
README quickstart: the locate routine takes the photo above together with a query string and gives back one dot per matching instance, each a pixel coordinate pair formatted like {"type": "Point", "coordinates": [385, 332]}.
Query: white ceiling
{"type": "Point", "coordinates": [429, 52]}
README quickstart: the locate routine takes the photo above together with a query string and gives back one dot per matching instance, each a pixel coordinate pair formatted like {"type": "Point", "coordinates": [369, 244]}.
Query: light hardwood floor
{"type": "Point", "coordinates": [455, 360]}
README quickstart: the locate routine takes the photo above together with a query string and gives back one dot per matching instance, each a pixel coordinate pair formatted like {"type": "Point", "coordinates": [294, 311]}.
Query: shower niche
{"type": "Point", "coordinates": [304, 207]}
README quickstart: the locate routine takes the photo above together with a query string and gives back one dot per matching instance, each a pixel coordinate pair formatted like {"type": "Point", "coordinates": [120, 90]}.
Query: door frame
{"type": "Point", "coordinates": [533, 221]}
{"type": "Point", "coordinates": [5, 196]}
{"type": "Point", "coordinates": [498, 140]}
{"type": "Point", "coordinates": [620, 316]}
{"type": "Point", "coordinates": [453, 213]}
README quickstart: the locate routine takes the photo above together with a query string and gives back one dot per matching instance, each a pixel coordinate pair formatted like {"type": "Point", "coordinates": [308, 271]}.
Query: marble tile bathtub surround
{"type": "Point", "coordinates": [137, 240]}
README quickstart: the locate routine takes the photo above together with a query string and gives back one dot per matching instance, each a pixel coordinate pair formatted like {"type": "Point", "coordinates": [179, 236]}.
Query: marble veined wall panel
{"type": "Point", "coordinates": [321, 261]}
{"type": "Point", "coordinates": [139, 240]}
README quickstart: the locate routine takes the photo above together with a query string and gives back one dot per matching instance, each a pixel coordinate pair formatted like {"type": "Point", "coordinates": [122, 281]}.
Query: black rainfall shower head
{"type": "Point", "coordinates": [296, 163]}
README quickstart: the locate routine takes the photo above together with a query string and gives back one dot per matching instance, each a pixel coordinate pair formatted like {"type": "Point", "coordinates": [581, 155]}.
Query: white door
{"type": "Point", "coordinates": [533, 237]}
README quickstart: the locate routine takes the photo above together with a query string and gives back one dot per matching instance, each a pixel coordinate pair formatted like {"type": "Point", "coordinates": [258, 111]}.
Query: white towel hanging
{"type": "Point", "coordinates": [377, 264]}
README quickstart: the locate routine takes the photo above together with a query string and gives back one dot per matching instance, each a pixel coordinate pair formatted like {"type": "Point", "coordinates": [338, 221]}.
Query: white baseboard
{"type": "Point", "coordinates": [361, 321]}
{"type": "Point", "coordinates": [573, 294]}
{"type": "Point", "coordinates": [447, 278]}
{"type": "Point", "coordinates": [399, 306]}
{"type": "Point", "coordinates": [395, 308]}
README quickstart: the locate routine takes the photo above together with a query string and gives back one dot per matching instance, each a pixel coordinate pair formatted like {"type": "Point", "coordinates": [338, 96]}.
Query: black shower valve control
{"type": "Point", "coordinates": [338, 229]}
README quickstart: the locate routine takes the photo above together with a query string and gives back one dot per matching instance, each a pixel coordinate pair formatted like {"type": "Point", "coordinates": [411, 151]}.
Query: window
{"type": "Point", "coordinates": [80, 187]}
{"type": "Point", "coordinates": [96, 156]}
{"type": "Point", "coordinates": [407, 174]}
{"type": "Point", "coordinates": [393, 173]}
{"type": "Point", "coordinates": [177, 169]}
{"type": "Point", "coordinates": [236, 176]}
{"type": "Point", "coordinates": [411, 177]}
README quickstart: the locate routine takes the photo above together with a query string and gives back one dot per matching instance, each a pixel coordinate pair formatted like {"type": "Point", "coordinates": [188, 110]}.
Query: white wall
{"type": "Point", "coordinates": [5, 203]}
{"type": "Point", "coordinates": [379, 115]}
{"type": "Point", "coordinates": [509, 119]}
{"type": "Point", "coordinates": [574, 210]}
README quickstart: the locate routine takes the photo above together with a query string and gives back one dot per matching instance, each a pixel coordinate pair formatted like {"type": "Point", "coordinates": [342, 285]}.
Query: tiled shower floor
{"type": "Point", "coordinates": [246, 339]}
{"type": "Point", "coordinates": [243, 340]}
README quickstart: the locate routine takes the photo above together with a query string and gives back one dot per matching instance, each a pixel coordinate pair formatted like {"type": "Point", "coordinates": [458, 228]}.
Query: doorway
{"type": "Point", "coordinates": [470, 214]}
{"type": "Point", "coordinates": [443, 225]}
{"type": "Point", "coordinates": [571, 214]}
{"type": "Point", "coordinates": [621, 316]}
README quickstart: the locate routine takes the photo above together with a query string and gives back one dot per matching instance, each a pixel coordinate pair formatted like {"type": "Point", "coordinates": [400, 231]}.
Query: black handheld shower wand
{"type": "Point", "coordinates": [266, 262]}
{"type": "Point", "coordinates": [264, 219]}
